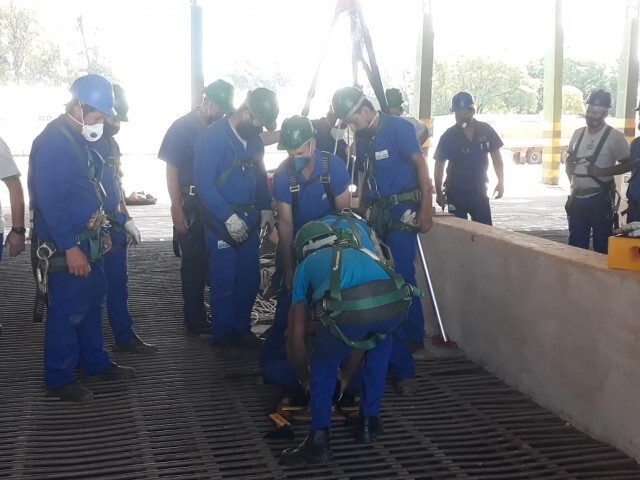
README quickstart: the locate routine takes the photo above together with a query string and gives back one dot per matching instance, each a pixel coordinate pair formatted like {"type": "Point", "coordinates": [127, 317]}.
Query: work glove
{"type": "Point", "coordinates": [629, 230]}
{"type": "Point", "coordinates": [133, 233]}
{"type": "Point", "coordinates": [267, 218]}
{"type": "Point", "coordinates": [237, 228]}
{"type": "Point", "coordinates": [408, 218]}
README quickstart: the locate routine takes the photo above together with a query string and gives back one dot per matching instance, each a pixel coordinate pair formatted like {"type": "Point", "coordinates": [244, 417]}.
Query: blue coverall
{"type": "Point", "coordinates": [312, 203]}
{"type": "Point", "coordinates": [64, 197]}
{"type": "Point", "coordinates": [466, 182]}
{"type": "Point", "coordinates": [633, 192]}
{"type": "Point", "coordinates": [115, 261]}
{"type": "Point", "coordinates": [389, 154]}
{"type": "Point", "coordinates": [234, 269]}
{"type": "Point", "coordinates": [313, 275]}
{"type": "Point", "coordinates": [177, 150]}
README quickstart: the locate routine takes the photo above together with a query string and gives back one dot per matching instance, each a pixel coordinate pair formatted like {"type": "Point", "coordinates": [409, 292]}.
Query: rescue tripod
{"type": "Point", "coordinates": [361, 42]}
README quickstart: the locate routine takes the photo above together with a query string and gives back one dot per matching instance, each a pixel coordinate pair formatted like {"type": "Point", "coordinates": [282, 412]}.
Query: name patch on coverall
{"type": "Point", "coordinates": [381, 155]}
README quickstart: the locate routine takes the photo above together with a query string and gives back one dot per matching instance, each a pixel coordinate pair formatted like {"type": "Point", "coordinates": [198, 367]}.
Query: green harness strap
{"type": "Point", "coordinates": [380, 216]}
{"type": "Point", "coordinates": [337, 305]}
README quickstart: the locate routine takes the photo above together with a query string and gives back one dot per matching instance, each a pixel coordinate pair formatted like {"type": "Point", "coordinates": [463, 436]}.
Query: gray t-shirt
{"type": "Point", "coordinates": [614, 150]}
{"type": "Point", "coordinates": [8, 169]}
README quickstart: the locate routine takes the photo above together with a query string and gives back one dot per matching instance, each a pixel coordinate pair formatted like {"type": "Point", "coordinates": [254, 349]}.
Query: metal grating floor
{"type": "Point", "coordinates": [188, 416]}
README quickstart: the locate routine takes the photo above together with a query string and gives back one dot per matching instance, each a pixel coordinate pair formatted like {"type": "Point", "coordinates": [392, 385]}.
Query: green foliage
{"type": "Point", "coordinates": [572, 101]}
{"type": "Point", "coordinates": [585, 75]}
{"type": "Point", "coordinates": [28, 58]}
{"type": "Point", "coordinates": [496, 86]}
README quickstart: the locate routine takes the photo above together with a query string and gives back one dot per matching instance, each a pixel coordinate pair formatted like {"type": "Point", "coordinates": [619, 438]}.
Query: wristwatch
{"type": "Point", "coordinates": [19, 230]}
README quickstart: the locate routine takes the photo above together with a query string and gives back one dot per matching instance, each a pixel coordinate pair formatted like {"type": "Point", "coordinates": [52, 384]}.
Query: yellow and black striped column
{"type": "Point", "coordinates": [552, 150]}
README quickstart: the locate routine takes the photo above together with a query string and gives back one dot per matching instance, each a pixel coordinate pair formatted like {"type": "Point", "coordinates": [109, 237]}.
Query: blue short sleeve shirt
{"type": "Point", "coordinates": [390, 153]}
{"type": "Point", "coordinates": [177, 146]}
{"type": "Point", "coordinates": [312, 197]}
{"type": "Point", "coordinates": [313, 274]}
{"type": "Point", "coordinates": [633, 192]}
{"type": "Point", "coordinates": [468, 159]}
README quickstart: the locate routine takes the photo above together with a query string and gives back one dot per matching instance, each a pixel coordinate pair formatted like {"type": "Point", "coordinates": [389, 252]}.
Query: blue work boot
{"type": "Point", "coordinates": [136, 345]}
{"type": "Point", "coordinates": [368, 429]}
{"type": "Point", "coordinates": [111, 373]}
{"type": "Point", "coordinates": [71, 392]}
{"type": "Point", "coordinates": [314, 450]}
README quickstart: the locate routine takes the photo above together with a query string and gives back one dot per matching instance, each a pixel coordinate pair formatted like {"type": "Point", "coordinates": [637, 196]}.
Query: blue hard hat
{"type": "Point", "coordinates": [461, 101]}
{"type": "Point", "coordinates": [599, 98]}
{"type": "Point", "coordinates": [95, 91]}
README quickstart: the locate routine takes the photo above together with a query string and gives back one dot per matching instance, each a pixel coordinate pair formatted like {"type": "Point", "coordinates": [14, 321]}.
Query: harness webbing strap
{"type": "Point", "coordinates": [324, 177]}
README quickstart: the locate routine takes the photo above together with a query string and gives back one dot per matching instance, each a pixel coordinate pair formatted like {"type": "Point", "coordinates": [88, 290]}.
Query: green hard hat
{"type": "Point", "coordinates": [346, 101]}
{"type": "Point", "coordinates": [263, 104]}
{"type": "Point", "coordinates": [394, 97]}
{"type": "Point", "coordinates": [311, 232]}
{"type": "Point", "coordinates": [294, 132]}
{"type": "Point", "coordinates": [120, 104]}
{"type": "Point", "coordinates": [220, 93]}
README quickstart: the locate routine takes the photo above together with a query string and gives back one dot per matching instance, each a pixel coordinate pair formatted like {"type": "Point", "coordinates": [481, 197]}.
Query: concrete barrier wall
{"type": "Point", "coordinates": [551, 320]}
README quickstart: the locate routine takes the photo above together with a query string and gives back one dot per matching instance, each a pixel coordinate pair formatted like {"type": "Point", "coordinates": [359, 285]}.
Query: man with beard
{"type": "Point", "coordinates": [186, 209]}
{"type": "Point", "coordinates": [466, 146]}
{"type": "Point", "coordinates": [123, 232]}
{"type": "Point", "coordinates": [69, 226]}
{"type": "Point", "coordinates": [231, 182]}
{"type": "Point", "coordinates": [593, 155]}
{"type": "Point", "coordinates": [397, 188]}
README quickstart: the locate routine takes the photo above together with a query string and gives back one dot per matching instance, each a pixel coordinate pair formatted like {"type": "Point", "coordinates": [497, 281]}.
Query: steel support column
{"type": "Point", "coordinates": [552, 150]}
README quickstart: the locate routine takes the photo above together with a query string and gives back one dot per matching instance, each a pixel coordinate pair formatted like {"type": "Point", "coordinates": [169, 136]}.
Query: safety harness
{"type": "Point", "coordinates": [45, 258]}
{"type": "Point", "coordinates": [367, 303]}
{"type": "Point", "coordinates": [380, 215]}
{"type": "Point", "coordinates": [606, 187]}
{"type": "Point", "coordinates": [324, 177]}
{"type": "Point", "coordinates": [239, 209]}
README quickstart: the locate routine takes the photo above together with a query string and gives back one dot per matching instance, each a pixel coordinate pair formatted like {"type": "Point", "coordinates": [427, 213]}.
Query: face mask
{"type": "Point", "coordinates": [464, 122]}
{"type": "Point", "coordinates": [301, 162]}
{"type": "Point", "coordinates": [91, 133]}
{"type": "Point", "coordinates": [248, 130]}
{"type": "Point", "coordinates": [109, 130]}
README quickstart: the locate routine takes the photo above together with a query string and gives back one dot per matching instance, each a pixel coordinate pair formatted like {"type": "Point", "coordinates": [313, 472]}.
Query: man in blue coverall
{"type": "Point", "coordinates": [397, 188]}
{"type": "Point", "coordinates": [467, 146]}
{"type": "Point", "coordinates": [69, 222]}
{"type": "Point", "coordinates": [308, 184]}
{"type": "Point", "coordinates": [328, 266]}
{"type": "Point", "coordinates": [186, 209]}
{"type": "Point", "coordinates": [231, 181]}
{"type": "Point", "coordinates": [633, 191]}
{"type": "Point", "coordinates": [123, 232]}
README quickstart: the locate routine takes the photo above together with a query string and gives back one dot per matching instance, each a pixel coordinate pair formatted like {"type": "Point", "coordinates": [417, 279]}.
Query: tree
{"type": "Point", "coordinates": [18, 32]}
{"type": "Point", "coordinates": [572, 100]}
{"type": "Point", "coordinates": [246, 77]}
{"type": "Point", "coordinates": [585, 75]}
{"type": "Point", "coordinates": [496, 86]}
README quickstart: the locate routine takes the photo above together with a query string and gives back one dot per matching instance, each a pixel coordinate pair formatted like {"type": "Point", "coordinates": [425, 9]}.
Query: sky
{"type": "Point", "coordinates": [148, 43]}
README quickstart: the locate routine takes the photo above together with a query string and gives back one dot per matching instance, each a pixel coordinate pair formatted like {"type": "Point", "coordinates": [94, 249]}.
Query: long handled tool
{"type": "Point", "coordinates": [440, 340]}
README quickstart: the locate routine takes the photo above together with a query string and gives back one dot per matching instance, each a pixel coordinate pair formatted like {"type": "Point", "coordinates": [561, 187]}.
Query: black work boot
{"type": "Point", "coordinates": [196, 330]}
{"type": "Point", "coordinates": [314, 450]}
{"type": "Point", "coordinates": [71, 392]}
{"type": "Point", "coordinates": [136, 345]}
{"type": "Point", "coordinates": [111, 373]}
{"type": "Point", "coordinates": [368, 429]}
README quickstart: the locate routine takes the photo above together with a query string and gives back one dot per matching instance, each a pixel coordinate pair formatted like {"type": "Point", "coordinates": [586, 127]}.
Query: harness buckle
{"type": "Point", "coordinates": [192, 190]}
{"type": "Point", "coordinates": [393, 199]}
{"type": "Point", "coordinates": [44, 252]}
{"type": "Point", "coordinates": [325, 178]}
{"type": "Point", "coordinates": [294, 188]}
